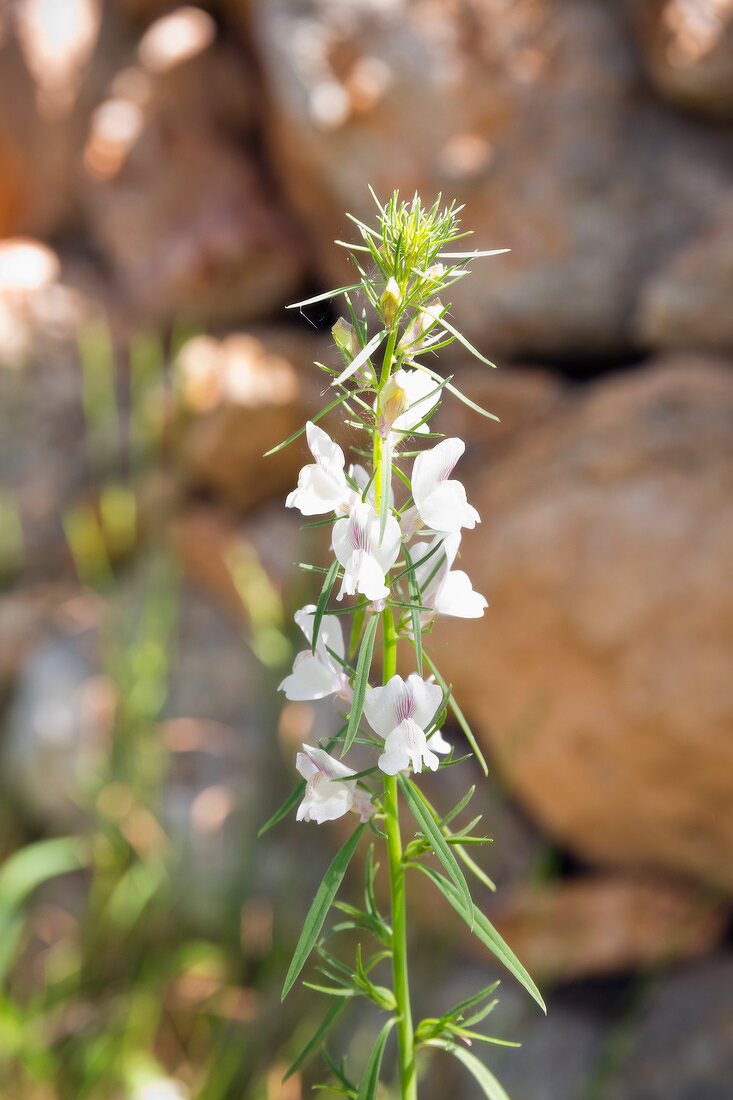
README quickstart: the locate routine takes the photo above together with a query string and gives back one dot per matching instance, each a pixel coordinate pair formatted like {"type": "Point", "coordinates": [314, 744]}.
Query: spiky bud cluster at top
{"type": "Point", "coordinates": [397, 515]}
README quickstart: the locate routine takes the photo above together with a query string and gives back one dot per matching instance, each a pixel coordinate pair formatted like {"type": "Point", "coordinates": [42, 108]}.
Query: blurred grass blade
{"type": "Point", "coordinates": [321, 904]}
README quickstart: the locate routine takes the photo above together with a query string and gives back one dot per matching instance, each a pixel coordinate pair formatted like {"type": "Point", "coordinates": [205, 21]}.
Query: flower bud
{"type": "Point", "coordinates": [414, 335]}
{"type": "Point", "coordinates": [390, 300]}
{"type": "Point", "coordinates": [393, 403]}
{"type": "Point", "coordinates": [344, 334]}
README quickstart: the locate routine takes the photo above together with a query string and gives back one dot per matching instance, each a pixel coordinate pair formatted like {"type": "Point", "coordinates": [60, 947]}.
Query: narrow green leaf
{"type": "Point", "coordinates": [295, 435]}
{"type": "Point", "coordinates": [370, 1078]}
{"type": "Point", "coordinates": [328, 582]}
{"type": "Point", "coordinates": [459, 716]}
{"type": "Point", "coordinates": [295, 796]}
{"type": "Point", "coordinates": [485, 1078]}
{"type": "Point", "coordinates": [459, 807]}
{"type": "Point", "coordinates": [315, 1043]}
{"type": "Point", "coordinates": [384, 504]}
{"type": "Point", "coordinates": [416, 601]}
{"type": "Point", "coordinates": [321, 904]}
{"type": "Point", "coordinates": [432, 832]}
{"type": "Point", "coordinates": [361, 681]}
{"type": "Point", "coordinates": [323, 297]}
{"type": "Point", "coordinates": [471, 1002]}
{"type": "Point", "coordinates": [472, 255]}
{"type": "Point", "coordinates": [485, 931]}
{"type": "Point", "coordinates": [362, 357]}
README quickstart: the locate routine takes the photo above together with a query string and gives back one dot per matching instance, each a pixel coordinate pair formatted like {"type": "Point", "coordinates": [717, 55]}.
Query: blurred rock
{"type": "Point", "coordinates": [239, 397]}
{"type": "Point", "coordinates": [54, 57]}
{"type": "Point", "coordinates": [682, 1046]}
{"type": "Point", "coordinates": [559, 1052]}
{"type": "Point", "coordinates": [600, 925]}
{"type": "Point", "coordinates": [521, 397]}
{"type": "Point", "coordinates": [533, 114]}
{"type": "Point", "coordinates": [179, 205]}
{"type": "Point", "coordinates": [44, 460]}
{"type": "Point", "coordinates": [663, 1038]}
{"type": "Point", "coordinates": [57, 731]}
{"type": "Point", "coordinates": [688, 302]}
{"type": "Point", "coordinates": [601, 673]}
{"type": "Point", "coordinates": [212, 548]}
{"type": "Point", "coordinates": [688, 52]}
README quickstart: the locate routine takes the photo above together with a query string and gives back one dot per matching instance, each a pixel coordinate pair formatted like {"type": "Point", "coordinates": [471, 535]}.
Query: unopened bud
{"type": "Point", "coordinates": [414, 335]}
{"type": "Point", "coordinates": [390, 300]}
{"type": "Point", "coordinates": [393, 403]}
{"type": "Point", "coordinates": [435, 273]}
{"type": "Point", "coordinates": [345, 336]}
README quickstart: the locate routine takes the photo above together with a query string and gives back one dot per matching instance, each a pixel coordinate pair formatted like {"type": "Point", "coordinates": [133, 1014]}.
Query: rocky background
{"type": "Point", "coordinates": [170, 178]}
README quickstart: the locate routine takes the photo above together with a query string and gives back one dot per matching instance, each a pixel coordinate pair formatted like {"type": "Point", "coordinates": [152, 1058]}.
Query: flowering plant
{"type": "Point", "coordinates": [396, 528]}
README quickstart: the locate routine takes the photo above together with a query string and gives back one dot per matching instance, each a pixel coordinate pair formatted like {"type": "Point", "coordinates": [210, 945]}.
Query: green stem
{"type": "Point", "coordinates": [405, 1033]}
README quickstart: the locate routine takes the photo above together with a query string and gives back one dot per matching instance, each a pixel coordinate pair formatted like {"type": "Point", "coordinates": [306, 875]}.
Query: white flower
{"type": "Point", "coordinates": [445, 590]}
{"type": "Point", "coordinates": [322, 485]}
{"type": "Point", "coordinates": [316, 675]}
{"type": "Point", "coordinates": [406, 400]}
{"type": "Point", "coordinates": [442, 503]}
{"type": "Point", "coordinates": [399, 712]}
{"type": "Point", "coordinates": [365, 558]}
{"type": "Point", "coordinates": [329, 792]}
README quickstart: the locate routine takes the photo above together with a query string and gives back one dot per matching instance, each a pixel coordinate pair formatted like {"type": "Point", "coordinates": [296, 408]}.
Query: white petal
{"type": "Point", "coordinates": [325, 763]}
{"type": "Point", "coordinates": [381, 705]}
{"type": "Point", "coordinates": [364, 575]}
{"type": "Point", "coordinates": [325, 800]}
{"type": "Point", "coordinates": [441, 502]}
{"type": "Point", "coordinates": [322, 447]}
{"type": "Point", "coordinates": [319, 491]}
{"type": "Point", "coordinates": [406, 747]}
{"type": "Point", "coordinates": [311, 678]}
{"type": "Point", "coordinates": [330, 634]}
{"type": "Point", "coordinates": [387, 551]}
{"type": "Point", "coordinates": [438, 743]}
{"type": "Point", "coordinates": [456, 597]}
{"type": "Point", "coordinates": [422, 394]}
{"type": "Point", "coordinates": [426, 698]}
{"type": "Point", "coordinates": [305, 765]}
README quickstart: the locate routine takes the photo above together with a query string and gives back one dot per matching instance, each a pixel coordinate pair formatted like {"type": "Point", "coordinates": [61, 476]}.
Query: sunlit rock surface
{"type": "Point", "coordinates": [600, 675]}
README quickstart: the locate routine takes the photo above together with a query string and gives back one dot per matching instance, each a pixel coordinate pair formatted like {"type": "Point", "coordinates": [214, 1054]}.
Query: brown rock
{"type": "Point", "coordinates": [688, 302]}
{"type": "Point", "coordinates": [601, 673]}
{"type": "Point", "coordinates": [54, 58]}
{"type": "Point", "coordinates": [534, 115]}
{"type": "Point", "coordinates": [240, 397]}
{"type": "Point", "coordinates": [599, 925]}
{"type": "Point", "coordinates": [178, 204]}
{"type": "Point", "coordinates": [688, 52]}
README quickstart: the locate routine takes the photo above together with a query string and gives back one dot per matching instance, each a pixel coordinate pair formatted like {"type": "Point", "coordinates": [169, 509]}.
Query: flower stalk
{"type": "Point", "coordinates": [394, 540]}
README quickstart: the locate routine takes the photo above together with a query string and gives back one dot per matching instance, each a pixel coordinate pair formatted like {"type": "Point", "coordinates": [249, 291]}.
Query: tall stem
{"type": "Point", "coordinates": [405, 1034]}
